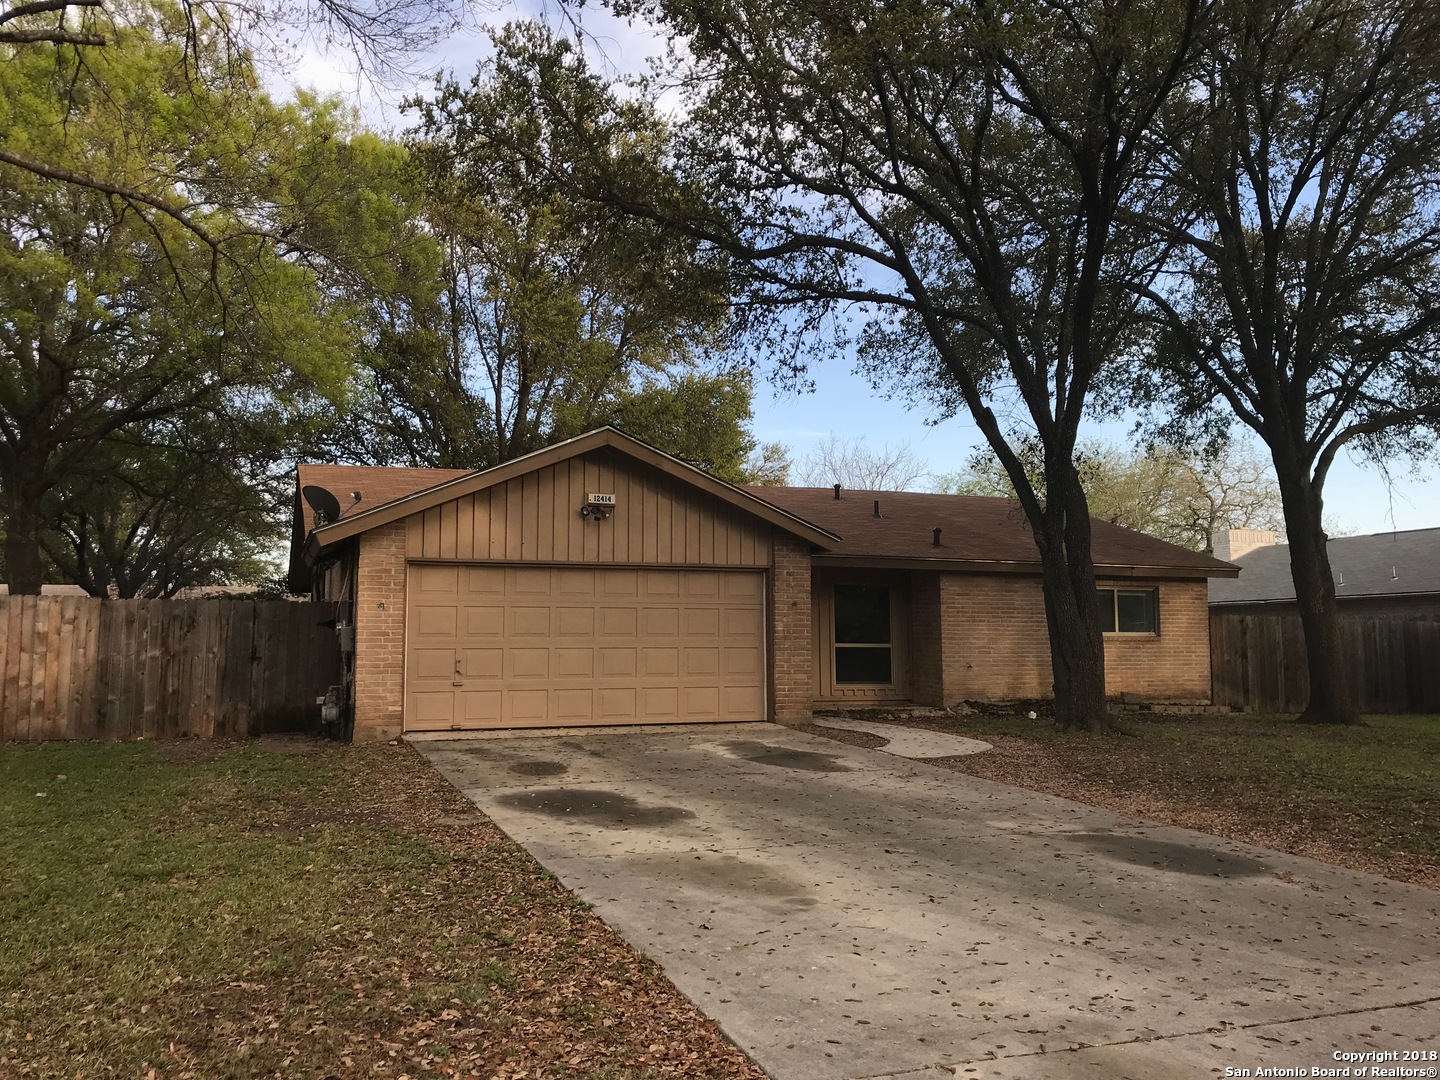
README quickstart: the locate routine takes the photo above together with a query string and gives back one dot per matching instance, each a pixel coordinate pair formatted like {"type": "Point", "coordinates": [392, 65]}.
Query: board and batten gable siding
{"type": "Point", "coordinates": [536, 517]}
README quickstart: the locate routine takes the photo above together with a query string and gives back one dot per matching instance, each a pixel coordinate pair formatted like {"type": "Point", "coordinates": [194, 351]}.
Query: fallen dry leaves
{"type": "Point", "coordinates": [463, 959]}
{"type": "Point", "coordinates": [1209, 773]}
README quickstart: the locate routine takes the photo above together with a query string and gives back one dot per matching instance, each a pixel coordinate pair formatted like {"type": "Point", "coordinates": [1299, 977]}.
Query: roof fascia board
{"type": "Point", "coordinates": [1256, 601]}
{"type": "Point", "coordinates": [604, 437]}
{"type": "Point", "coordinates": [996, 566]}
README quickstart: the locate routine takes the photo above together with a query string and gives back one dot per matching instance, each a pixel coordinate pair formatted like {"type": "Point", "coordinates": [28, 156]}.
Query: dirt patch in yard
{"type": "Point", "coordinates": [844, 735]}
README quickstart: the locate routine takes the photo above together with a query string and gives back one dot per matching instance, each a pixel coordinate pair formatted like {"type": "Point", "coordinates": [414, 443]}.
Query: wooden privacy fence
{"type": "Point", "coordinates": [80, 668]}
{"type": "Point", "coordinates": [1257, 662]}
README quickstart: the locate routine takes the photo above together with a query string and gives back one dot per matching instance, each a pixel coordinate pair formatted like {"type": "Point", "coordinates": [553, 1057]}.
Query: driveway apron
{"type": "Point", "coordinates": [845, 913]}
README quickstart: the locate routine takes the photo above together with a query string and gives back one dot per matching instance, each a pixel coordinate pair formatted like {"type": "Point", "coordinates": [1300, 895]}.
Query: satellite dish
{"type": "Point", "coordinates": [323, 502]}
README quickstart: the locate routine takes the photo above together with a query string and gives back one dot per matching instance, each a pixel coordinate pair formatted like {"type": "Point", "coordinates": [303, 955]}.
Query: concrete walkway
{"type": "Point", "coordinates": [844, 913]}
{"type": "Point", "coordinates": [909, 742]}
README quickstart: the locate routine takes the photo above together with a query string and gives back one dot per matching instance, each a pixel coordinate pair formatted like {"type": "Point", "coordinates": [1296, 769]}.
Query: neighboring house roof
{"type": "Point", "coordinates": [51, 590]}
{"type": "Point", "coordinates": [1380, 564]}
{"type": "Point", "coordinates": [973, 530]}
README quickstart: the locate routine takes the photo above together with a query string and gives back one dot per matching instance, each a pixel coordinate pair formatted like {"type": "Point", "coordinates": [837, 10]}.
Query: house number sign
{"type": "Point", "coordinates": [600, 499]}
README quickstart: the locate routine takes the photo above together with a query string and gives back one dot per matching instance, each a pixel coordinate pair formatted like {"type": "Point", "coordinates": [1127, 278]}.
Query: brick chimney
{"type": "Point", "coordinates": [1231, 544]}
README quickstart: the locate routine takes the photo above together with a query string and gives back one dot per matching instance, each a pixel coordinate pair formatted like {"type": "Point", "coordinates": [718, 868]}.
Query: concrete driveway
{"type": "Point", "coordinates": [844, 913]}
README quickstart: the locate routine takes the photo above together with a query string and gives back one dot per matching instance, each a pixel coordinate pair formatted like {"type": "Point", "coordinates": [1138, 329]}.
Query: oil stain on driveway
{"type": "Point", "coordinates": [844, 913]}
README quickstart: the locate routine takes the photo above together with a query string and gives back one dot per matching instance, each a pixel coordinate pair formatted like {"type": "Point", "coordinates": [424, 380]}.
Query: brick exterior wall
{"type": "Point", "coordinates": [994, 644]}
{"type": "Point", "coordinates": [927, 686]}
{"type": "Point", "coordinates": [380, 634]}
{"type": "Point", "coordinates": [993, 640]}
{"type": "Point", "coordinates": [973, 636]}
{"type": "Point", "coordinates": [1175, 664]}
{"type": "Point", "coordinates": [791, 637]}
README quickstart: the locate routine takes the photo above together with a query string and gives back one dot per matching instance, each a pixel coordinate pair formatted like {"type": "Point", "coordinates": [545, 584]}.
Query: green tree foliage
{"type": "Point", "coordinates": [112, 321]}
{"type": "Point", "coordinates": [172, 504]}
{"type": "Point", "coordinates": [769, 465]}
{"type": "Point", "coordinates": [1305, 296]}
{"type": "Point", "coordinates": [1179, 497]}
{"type": "Point", "coordinates": [702, 419]}
{"type": "Point", "coordinates": [540, 315]}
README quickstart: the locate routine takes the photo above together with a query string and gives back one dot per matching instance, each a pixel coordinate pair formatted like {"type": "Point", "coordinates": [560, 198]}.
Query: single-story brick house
{"type": "Point", "coordinates": [601, 581]}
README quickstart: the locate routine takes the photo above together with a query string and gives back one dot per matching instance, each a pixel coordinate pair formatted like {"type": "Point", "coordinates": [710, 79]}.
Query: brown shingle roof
{"type": "Point", "coordinates": [972, 529]}
{"type": "Point", "coordinates": [377, 484]}
{"type": "Point", "coordinates": [976, 530]}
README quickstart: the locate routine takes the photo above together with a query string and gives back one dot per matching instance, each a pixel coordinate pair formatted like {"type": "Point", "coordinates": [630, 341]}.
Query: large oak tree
{"type": "Point", "coordinates": [535, 315]}
{"type": "Point", "coordinates": [112, 321]}
{"type": "Point", "coordinates": [1305, 158]}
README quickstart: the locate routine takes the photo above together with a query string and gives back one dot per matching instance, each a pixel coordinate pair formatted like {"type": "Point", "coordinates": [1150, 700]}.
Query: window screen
{"type": "Point", "coordinates": [1128, 611]}
{"type": "Point", "coordinates": [862, 615]}
{"type": "Point", "coordinates": [854, 665]}
{"type": "Point", "coordinates": [862, 634]}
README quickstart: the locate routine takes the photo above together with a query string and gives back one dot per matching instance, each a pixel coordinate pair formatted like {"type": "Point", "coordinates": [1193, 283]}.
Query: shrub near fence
{"type": "Point", "coordinates": [1257, 662]}
{"type": "Point", "coordinates": [82, 668]}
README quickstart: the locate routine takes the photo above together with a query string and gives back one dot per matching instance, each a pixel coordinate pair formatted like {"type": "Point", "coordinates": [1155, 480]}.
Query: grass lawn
{"type": "Point", "coordinates": [1364, 797]}
{"type": "Point", "coordinates": [291, 908]}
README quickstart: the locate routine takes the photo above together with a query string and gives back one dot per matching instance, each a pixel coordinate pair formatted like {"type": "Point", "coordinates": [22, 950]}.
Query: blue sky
{"type": "Point", "coordinates": [1359, 498]}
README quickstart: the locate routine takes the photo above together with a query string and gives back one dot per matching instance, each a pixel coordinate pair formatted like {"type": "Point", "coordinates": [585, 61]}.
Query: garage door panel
{"type": "Point", "coordinates": [481, 708]}
{"type": "Point", "coordinates": [616, 704]}
{"type": "Point", "coordinates": [700, 622]}
{"type": "Point", "coordinates": [529, 581]}
{"type": "Point", "coordinates": [661, 622]}
{"type": "Point", "coordinates": [741, 623]}
{"type": "Point", "coordinates": [575, 582]}
{"type": "Point", "coordinates": [739, 661]}
{"type": "Point", "coordinates": [743, 587]}
{"type": "Point", "coordinates": [619, 663]}
{"type": "Point", "coordinates": [619, 583]}
{"type": "Point", "coordinates": [618, 622]}
{"type": "Point", "coordinates": [660, 662]}
{"type": "Point", "coordinates": [700, 702]}
{"type": "Point", "coordinates": [661, 583]}
{"type": "Point", "coordinates": [742, 701]}
{"type": "Point", "coordinates": [702, 585]}
{"type": "Point", "coordinates": [575, 622]}
{"type": "Point", "coordinates": [483, 621]}
{"type": "Point", "coordinates": [575, 663]}
{"type": "Point", "coordinates": [433, 663]}
{"type": "Point", "coordinates": [485, 581]}
{"type": "Point", "coordinates": [437, 620]}
{"type": "Point", "coordinates": [483, 663]}
{"type": "Point", "coordinates": [529, 705]}
{"type": "Point", "coordinates": [529, 621]}
{"type": "Point", "coordinates": [444, 580]}
{"type": "Point", "coordinates": [432, 709]}
{"type": "Point", "coordinates": [700, 662]}
{"type": "Point", "coordinates": [573, 706]}
{"type": "Point", "coordinates": [659, 702]}
{"type": "Point", "coordinates": [537, 646]}
{"type": "Point", "coordinates": [529, 663]}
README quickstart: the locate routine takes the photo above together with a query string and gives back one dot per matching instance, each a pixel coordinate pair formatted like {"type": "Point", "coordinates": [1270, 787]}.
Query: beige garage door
{"type": "Point", "coordinates": [511, 646]}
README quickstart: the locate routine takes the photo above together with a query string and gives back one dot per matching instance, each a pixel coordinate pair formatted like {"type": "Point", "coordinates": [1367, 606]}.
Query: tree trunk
{"type": "Point", "coordinates": [1331, 699]}
{"type": "Point", "coordinates": [23, 565]}
{"type": "Point", "coordinates": [1077, 646]}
